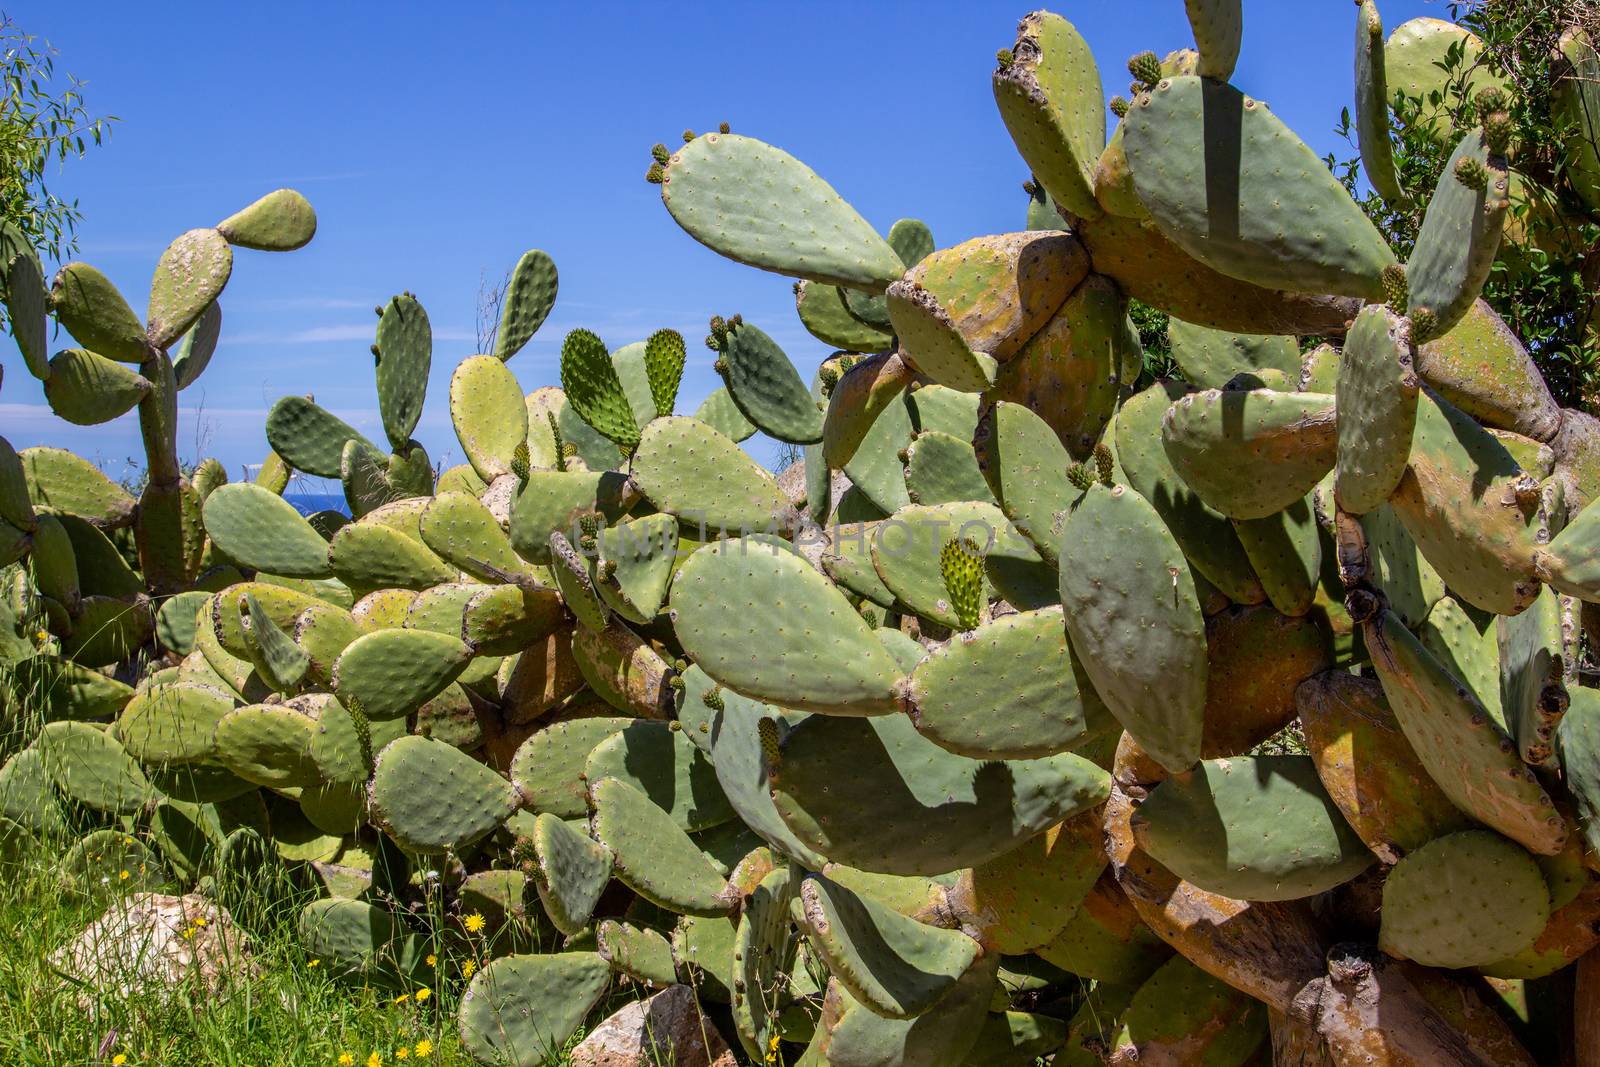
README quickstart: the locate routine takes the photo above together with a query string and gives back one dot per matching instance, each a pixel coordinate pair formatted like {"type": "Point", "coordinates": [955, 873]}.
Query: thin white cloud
{"type": "Point", "coordinates": [363, 331]}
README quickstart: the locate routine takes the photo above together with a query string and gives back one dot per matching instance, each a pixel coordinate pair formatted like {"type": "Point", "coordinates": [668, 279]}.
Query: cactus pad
{"type": "Point", "coordinates": [528, 300]}
{"type": "Point", "coordinates": [388, 674]}
{"type": "Point", "coordinates": [1463, 900]}
{"type": "Point", "coordinates": [570, 871]}
{"type": "Point", "coordinates": [653, 857]}
{"type": "Point", "coordinates": [264, 532]}
{"type": "Point", "coordinates": [433, 798]}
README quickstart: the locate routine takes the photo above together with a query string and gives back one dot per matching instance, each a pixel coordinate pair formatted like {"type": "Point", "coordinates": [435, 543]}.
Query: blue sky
{"type": "Point", "coordinates": [439, 143]}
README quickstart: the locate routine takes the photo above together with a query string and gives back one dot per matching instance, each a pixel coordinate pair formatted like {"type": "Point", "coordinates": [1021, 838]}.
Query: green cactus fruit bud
{"type": "Point", "coordinates": [374, 351]}
{"type": "Point", "coordinates": [712, 698]}
{"type": "Point", "coordinates": [1080, 477]}
{"type": "Point", "coordinates": [1497, 132]}
{"type": "Point", "coordinates": [1031, 187]}
{"type": "Point", "coordinates": [1395, 287]}
{"type": "Point", "coordinates": [720, 366]}
{"type": "Point", "coordinates": [829, 377]}
{"type": "Point", "coordinates": [568, 450]}
{"type": "Point", "coordinates": [1424, 324]}
{"type": "Point", "coordinates": [377, 310]}
{"type": "Point", "coordinates": [771, 751]}
{"type": "Point", "coordinates": [1005, 58]}
{"type": "Point", "coordinates": [676, 683]}
{"type": "Point", "coordinates": [1146, 68]}
{"type": "Point", "coordinates": [711, 343]}
{"type": "Point", "coordinates": [736, 320]}
{"type": "Point", "coordinates": [561, 446]}
{"type": "Point", "coordinates": [724, 128]}
{"type": "Point", "coordinates": [659, 153]}
{"type": "Point", "coordinates": [1119, 106]}
{"type": "Point", "coordinates": [589, 524]}
{"type": "Point", "coordinates": [519, 462]}
{"type": "Point", "coordinates": [961, 567]}
{"type": "Point", "coordinates": [1491, 100]}
{"type": "Point", "coordinates": [656, 175]}
{"type": "Point", "coordinates": [688, 135]}
{"type": "Point", "coordinates": [1104, 462]}
{"type": "Point", "coordinates": [1472, 174]}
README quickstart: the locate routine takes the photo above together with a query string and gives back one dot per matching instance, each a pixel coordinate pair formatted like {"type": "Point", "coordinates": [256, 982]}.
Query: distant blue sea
{"type": "Point", "coordinates": [306, 503]}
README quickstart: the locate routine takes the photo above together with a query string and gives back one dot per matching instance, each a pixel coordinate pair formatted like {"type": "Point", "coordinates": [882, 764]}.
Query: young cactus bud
{"type": "Point", "coordinates": [1005, 58]}
{"type": "Point", "coordinates": [1080, 477]}
{"type": "Point", "coordinates": [659, 153]}
{"type": "Point", "coordinates": [378, 310]}
{"type": "Point", "coordinates": [561, 446]}
{"type": "Point", "coordinates": [712, 698]}
{"type": "Point", "coordinates": [719, 333]}
{"type": "Point", "coordinates": [688, 135]}
{"type": "Point", "coordinates": [724, 128]}
{"type": "Point", "coordinates": [588, 528]}
{"type": "Point", "coordinates": [720, 366]}
{"type": "Point", "coordinates": [961, 567]}
{"type": "Point", "coordinates": [771, 750]}
{"type": "Point", "coordinates": [1472, 174]}
{"type": "Point", "coordinates": [1103, 462]}
{"type": "Point", "coordinates": [1424, 325]}
{"type": "Point", "coordinates": [676, 683]}
{"type": "Point", "coordinates": [829, 377]}
{"type": "Point", "coordinates": [374, 349]}
{"type": "Point", "coordinates": [1396, 288]}
{"type": "Point", "coordinates": [1146, 69]}
{"type": "Point", "coordinates": [1497, 131]}
{"type": "Point", "coordinates": [608, 568]}
{"type": "Point", "coordinates": [737, 320]}
{"type": "Point", "coordinates": [1491, 100]}
{"type": "Point", "coordinates": [656, 175]}
{"type": "Point", "coordinates": [1119, 106]}
{"type": "Point", "coordinates": [519, 462]}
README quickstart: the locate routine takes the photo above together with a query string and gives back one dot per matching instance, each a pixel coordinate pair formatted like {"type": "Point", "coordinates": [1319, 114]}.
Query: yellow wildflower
{"type": "Point", "coordinates": [402, 1053]}
{"type": "Point", "coordinates": [119, 1059]}
{"type": "Point", "coordinates": [199, 920]}
{"type": "Point", "coordinates": [314, 963]}
{"type": "Point", "coordinates": [433, 961]}
{"type": "Point", "coordinates": [469, 968]}
{"type": "Point", "coordinates": [345, 1059]}
{"type": "Point", "coordinates": [374, 1060]}
{"type": "Point", "coordinates": [474, 923]}
{"type": "Point", "coordinates": [424, 1049]}
{"type": "Point", "coordinates": [402, 998]}
{"type": "Point", "coordinates": [423, 994]}
{"type": "Point", "coordinates": [123, 877]}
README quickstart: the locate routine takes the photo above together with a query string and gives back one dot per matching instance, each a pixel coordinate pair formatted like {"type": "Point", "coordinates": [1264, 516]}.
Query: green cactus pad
{"type": "Point", "coordinates": [388, 674]}
{"type": "Point", "coordinates": [364, 476]}
{"type": "Point", "coordinates": [860, 400]}
{"type": "Point", "coordinates": [1459, 502]}
{"type": "Point", "coordinates": [175, 621]}
{"type": "Point", "coordinates": [759, 205]}
{"type": "Point", "coordinates": [734, 597]}
{"type": "Point", "coordinates": [462, 531]}
{"type": "Point", "coordinates": [547, 768]}
{"type": "Point", "coordinates": [1415, 57]}
{"type": "Point", "coordinates": [1024, 464]}
{"type": "Point", "coordinates": [1249, 453]}
{"type": "Point", "coordinates": [1536, 650]}
{"type": "Point", "coordinates": [1377, 402]}
{"type": "Point", "coordinates": [489, 413]}
{"type": "Point", "coordinates": [1369, 768]}
{"type": "Point", "coordinates": [269, 745]}
{"type": "Point", "coordinates": [639, 557]}
{"type": "Point", "coordinates": [281, 221]}
{"type": "Point", "coordinates": [874, 794]}
{"type": "Point", "coordinates": [55, 567]}
{"type": "Point", "coordinates": [1206, 536]}
{"type": "Point", "coordinates": [825, 314]}
{"type": "Point", "coordinates": [87, 389]}
{"type": "Point", "coordinates": [280, 662]}
{"type": "Point", "coordinates": [737, 757]}
{"type": "Point", "coordinates": [852, 1033]}
{"type": "Point", "coordinates": [720, 413]}
{"type": "Point", "coordinates": [577, 587]}
{"type": "Point", "coordinates": [1007, 690]}
{"type": "Point", "coordinates": [894, 965]}
{"type": "Point", "coordinates": [1578, 747]}
{"type": "Point", "coordinates": [906, 550]}
{"type": "Point", "coordinates": [1218, 26]}
{"type": "Point", "coordinates": [1251, 828]}
{"type": "Point", "coordinates": [685, 467]}
{"type": "Point", "coordinates": [280, 602]}
{"type": "Point", "coordinates": [173, 723]}
{"type": "Point", "coordinates": [67, 690]}
{"type": "Point", "coordinates": [404, 355]}
{"type": "Point", "coordinates": [308, 437]}
{"type": "Point", "coordinates": [1050, 99]}
{"type": "Point", "coordinates": [593, 390]}
{"type": "Point", "coordinates": [659, 761]}
{"type": "Point", "coordinates": [767, 388]}
{"type": "Point", "coordinates": [570, 871]}
{"type": "Point", "coordinates": [1372, 108]}
{"type": "Point", "coordinates": [1211, 358]}
{"type": "Point", "coordinates": [764, 949]}
{"type": "Point", "coordinates": [61, 480]}
{"type": "Point", "coordinates": [848, 561]}
{"type": "Point", "coordinates": [1463, 900]}
{"type": "Point", "coordinates": [1135, 622]}
{"type": "Point", "coordinates": [504, 619]}
{"type": "Point", "coordinates": [1482, 368]}
{"type": "Point", "coordinates": [94, 312]}
{"type": "Point", "coordinates": [521, 1010]}
{"type": "Point", "coordinates": [528, 300]}
{"type": "Point", "coordinates": [1459, 238]}
{"type": "Point", "coordinates": [189, 277]}
{"type": "Point", "coordinates": [552, 501]}
{"type": "Point", "coordinates": [653, 857]}
{"type": "Point", "coordinates": [432, 798]}
{"type": "Point", "coordinates": [107, 631]}
{"type": "Point", "coordinates": [637, 952]}
{"type": "Point", "coordinates": [1241, 209]}
{"type": "Point", "coordinates": [358, 941]}
{"type": "Point", "coordinates": [27, 797]}
{"type": "Point", "coordinates": [1181, 1011]}
{"type": "Point", "coordinates": [1024, 898]}
{"type": "Point", "coordinates": [941, 469]}
{"type": "Point", "coordinates": [664, 358]}
{"type": "Point", "coordinates": [1285, 551]}
{"type": "Point", "coordinates": [263, 531]}
{"type": "Point", "coordinates": [931, 341]}
{"type": "Point", "coordinates": [15, 506]}
{"type": "Point", "coordinates": [91, 767]}
{"type": "Point", "coordinates": [95, 866]}
{"type": "Point", "coordinates": [367, 556]}
{"type": "Point", "coordinates": [26, 304]}
{"type": "Point", "coordinates": [1466, 753]}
